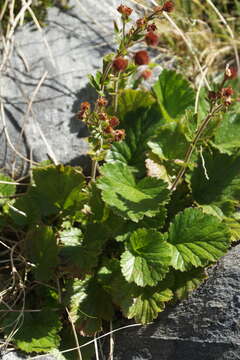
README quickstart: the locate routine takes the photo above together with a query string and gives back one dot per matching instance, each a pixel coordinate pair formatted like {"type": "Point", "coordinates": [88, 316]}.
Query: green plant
{"type": "Point", "coordinates": [161, 204]}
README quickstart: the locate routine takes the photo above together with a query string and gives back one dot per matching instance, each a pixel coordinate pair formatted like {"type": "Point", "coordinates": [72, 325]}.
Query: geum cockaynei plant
{"type": "Point", "coordinates": [160, 206]}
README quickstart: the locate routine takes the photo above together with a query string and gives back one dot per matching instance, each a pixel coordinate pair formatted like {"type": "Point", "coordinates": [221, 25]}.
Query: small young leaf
{"type": "Point", "coordinates": [197, 238]}
{"type": "Point", "coordinates": [130, 198]}
{"type": "Point", "coordinates": [147, 258]}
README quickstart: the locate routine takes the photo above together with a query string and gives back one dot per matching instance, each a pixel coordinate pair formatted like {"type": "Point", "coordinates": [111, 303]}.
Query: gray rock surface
{"type": "Point", "coordinates": [64, 53]}
{"type": "Point", "coordinates": [206, 326]}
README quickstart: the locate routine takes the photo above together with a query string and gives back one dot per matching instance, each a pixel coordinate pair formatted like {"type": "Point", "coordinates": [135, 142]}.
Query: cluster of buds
{"type": "Point", "coordinates": [84, 110]}
{"type": "Point", "coordinates": [113, 134]}
{"type": "Point", "coordinates": [224, 95]}
{"type": "Point", "coordinates": [120, 63]}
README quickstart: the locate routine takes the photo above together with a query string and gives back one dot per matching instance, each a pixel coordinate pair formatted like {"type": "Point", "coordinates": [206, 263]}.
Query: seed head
{"type": "Point", "coordinates": [141, 57]}
{"type": "Point", "coordinates": [146, 74]}
{"type": "Point", "coordinates": [168, 6]}
{"type": "Point", "coordinates": [119, 135]}
{"type": "Point", "coordinates": [228, 91]}
{"type": "Point", "coordinates": [120, 63]}
{"type": "Point", "coordinates": [151, 38]}
{"type": "Point", "coordinates": [125, 10]}
{"type": "Point", "coordinates": [102, 101]}
{"type": "Point", "coordinates": [114, 121]}
{"type": "Point", "coordinates": [151, 27]}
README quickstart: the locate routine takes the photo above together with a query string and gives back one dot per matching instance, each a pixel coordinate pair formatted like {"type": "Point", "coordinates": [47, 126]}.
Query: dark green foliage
{"type": "Point", "coordinates": [127, 241]}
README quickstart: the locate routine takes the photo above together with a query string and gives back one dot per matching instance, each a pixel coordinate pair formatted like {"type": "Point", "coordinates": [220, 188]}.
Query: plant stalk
{"type": "Point", "coordinates": [193, 144]}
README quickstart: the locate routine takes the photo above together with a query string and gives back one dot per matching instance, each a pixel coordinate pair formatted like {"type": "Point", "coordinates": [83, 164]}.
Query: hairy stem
{"type": "Point", "coordinates": [193, 144]}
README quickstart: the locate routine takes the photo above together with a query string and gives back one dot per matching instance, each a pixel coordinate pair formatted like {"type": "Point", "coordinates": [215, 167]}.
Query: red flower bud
{"type": "Point", "coordinates": [151, 38]}
{"type": "Point", "coordinates": [146, 74]}
{"type": "Point", "coordinates": [141, 57]}
{"type": "Point", "coordinates": [114, 121]}
{"type": "Point", "coordinates": [151, 27]}
{"type": "Point", "coordinates": [102, 101]}
{"type": "Point", "coordinates": [168, 6]}
{"type": "Point", "coordinates": [120, 63]}
{"type": "Point", "coordinates": [109, 130]}
{"type": "Point", "coordinates": [228, 91]}
{"type": "Point", "coordinates": [119, 135]}
{"type": "Point", "coordinates": [125, 10]}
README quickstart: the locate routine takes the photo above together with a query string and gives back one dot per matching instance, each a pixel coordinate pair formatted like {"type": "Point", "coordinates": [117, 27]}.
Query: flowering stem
{"type": "Point", "coordinates": [193, 144]}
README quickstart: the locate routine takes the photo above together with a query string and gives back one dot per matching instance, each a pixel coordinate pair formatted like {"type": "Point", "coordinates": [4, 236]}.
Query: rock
{"type": "Point", "coordinates": [205, 326]}
{"type": "Point", "coordinates": [69, 48]}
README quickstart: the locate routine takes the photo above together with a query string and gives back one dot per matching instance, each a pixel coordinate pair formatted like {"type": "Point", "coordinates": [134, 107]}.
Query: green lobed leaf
{"type": "Point", "coordinates": [173, 94]}
{"type": "Point", "coordinates": [79, 251]}
{"type": "Point", "coordinates": [58, 189]}
{"type": "Point", "coordinates": [42, 250]}
{"type": "Point", "coordinates": [6, 190]}
{"type": "Point", "coordinates": [39, 331]}
{"type": "Point", "coordinates": [140, 117]}
{"type": "Point", "coordinates": [89, 305]}
{"type": "Point", "coordinates": [186, 282]}
{"type": "Point", "coordinates": [130, 198]}
{"type": "Point", "coordinates": [226, 138]}
{"type": "Point", "coordinates": [197, 239]}
{"type": "Point", "coordinates": [148, 304]}
{"type": "Point", "coordinates": [147, 258]}
{"type": "Point", "coordinates": [142, 304]}
{"type": "Point", "coordinates": [223, 186]}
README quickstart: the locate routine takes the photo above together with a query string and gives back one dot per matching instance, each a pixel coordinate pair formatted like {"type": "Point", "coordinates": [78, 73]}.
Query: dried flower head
{"type": "Point", "coordinates": [102, 116]}
{"type": "Point", "coordinates": [141, 22]}
{"type": "Point", "coordinates": [120, 64]}
{"type": "Point", "coordinates": [141, 57]}
{"type": "Point", "coordinates": [213, 95]}
{"type": "Point", "coordinates": [114, 121]}
{"type": "Point", "coordinates": [102, 101]}
{"type": "Point", "coordinates": [151, 27]}
{"type": "Point", "coordinates": [125, 10]}
{"type": "Point", "coordinates": [168, 6]}
{"type": "Point", "coordinates": [85, 106]}
{"type": "Point", "coordinates": [151, 38]}
{"type": "Point", "coordinates": [119, 135]}
{"type": "Point", "coordinates": [226, 92]}
{"type": "Point", "coordinates": [146, 74]}
{"type": "Point", "coordinates": [231, 72]}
